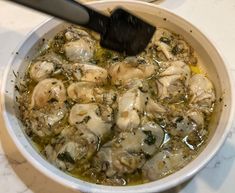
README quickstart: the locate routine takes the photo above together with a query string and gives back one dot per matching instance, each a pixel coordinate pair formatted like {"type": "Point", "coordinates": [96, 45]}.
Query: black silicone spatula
{"type": "Point", "coordinates": [122, 31]}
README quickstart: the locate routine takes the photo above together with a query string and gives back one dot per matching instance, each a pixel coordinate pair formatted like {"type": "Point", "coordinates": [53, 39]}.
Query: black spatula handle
{"type": "Point", "coordinates": [71, 11]}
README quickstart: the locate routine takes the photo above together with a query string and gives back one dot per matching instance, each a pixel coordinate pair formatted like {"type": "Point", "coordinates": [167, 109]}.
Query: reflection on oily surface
{"type": "Point", "coordinates": [25, 177]}
{"type": "Point", "coordinates": [209, 177]}
{"type": "Point", "coordinates": [17, 169]}
{"type": "Point", "coordinates": [111, 119]}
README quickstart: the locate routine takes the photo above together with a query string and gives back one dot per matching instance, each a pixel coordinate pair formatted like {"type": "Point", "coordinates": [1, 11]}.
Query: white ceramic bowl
{"type": "Point", "coordinates": [209, 55]}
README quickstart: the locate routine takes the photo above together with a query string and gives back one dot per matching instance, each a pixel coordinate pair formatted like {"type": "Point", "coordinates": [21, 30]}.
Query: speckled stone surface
{"type": "Point", "coordinates": [216, 18]}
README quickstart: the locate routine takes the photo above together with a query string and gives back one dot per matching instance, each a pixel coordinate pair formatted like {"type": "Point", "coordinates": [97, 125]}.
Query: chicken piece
{"type": "Point", "coordinates": [80, 50]}
{"type": "Point", "coordinates": [202, 92]}
{"type": "Point", "coordinates": [103, 160]}
{"type": "Point", "coordinates": [191, 121]}
{"type": "Point", "coordinates": [196, 116]}
{"type": "Point", "coordinates": [133, 103]}
{"type": "Point", "coordinates": [46, 120]}
{"type": "Point", "coordinates": [126, 163]}
{"type": "Point", "coordinates": [117, 162]}
{"type": "Point", "coordinates": [173, 80]}
{"type": "Point", "coordinates": [73, 145]}
{"type": "Point", "coordinates": [131, 141]}
{"type": "Point", "coordinates": [162, 40]}
{"type": "Point", "coordinates": [90, 73]}
{"type": "Point", "coordinates": [74, 33]}
{"type": "Point", "coordinates": [41, 70]}
{"type": "Point", "coordinates": [183, 126]}
{"type": "Point", "coordinates": [153, 108]}
{"type": "Point", "coordinates": [52, 57]}
{"type": "Point", "coordinates": [88, 141]}
{"type": "Point", "coordinates": [166, 49]}
{"type": "Point", "coordinates": [87, 92]}
{"type": "Point", "coordinates": [71, 151]}
{"type": "Point", "coordinates": [137, 83]}
{"type": "Point", "coordinates": [129, 105]}
{"type": "Point", "coordinates": [154, 136]}
{"type": "Point", "coordinates": [178, 68]}
{"type": "Point", "coordinates": [147, 139]}
{"type": "Point", "coordinates": [82, 92]}
{"type": "Point", "coordinates": [128, 70]}
{"type": "Point", "coordinates": [93, 117]}
{"type": "Point", "coordinates": [163, 163]}
{"type": "Point", "coordinates": [171, 47]}
{"type": "Point", "coordinates": [47, 90]}
{"type": "Point", "coordinates": [126, 153]}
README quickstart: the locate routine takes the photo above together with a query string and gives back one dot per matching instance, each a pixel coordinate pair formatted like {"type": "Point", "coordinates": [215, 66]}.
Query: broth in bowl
{"type": "Point", "coordinates": [111, 119]}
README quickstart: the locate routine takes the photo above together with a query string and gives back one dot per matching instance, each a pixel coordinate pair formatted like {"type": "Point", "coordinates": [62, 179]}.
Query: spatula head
{"type": "Point", "coordinates": [126, 33]}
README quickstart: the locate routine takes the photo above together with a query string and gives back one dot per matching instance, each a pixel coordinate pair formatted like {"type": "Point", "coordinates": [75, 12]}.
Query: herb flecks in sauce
{"type": "Point", "coordinates": [111, 119]}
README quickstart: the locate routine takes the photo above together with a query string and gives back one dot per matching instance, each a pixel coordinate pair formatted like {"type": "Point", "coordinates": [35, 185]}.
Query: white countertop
{"type": "Point", "coordinates": [214, 17]}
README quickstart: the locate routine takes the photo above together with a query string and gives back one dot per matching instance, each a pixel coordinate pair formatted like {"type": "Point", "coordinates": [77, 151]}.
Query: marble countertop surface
{"type": "Point", "coordinates": [214, 17]}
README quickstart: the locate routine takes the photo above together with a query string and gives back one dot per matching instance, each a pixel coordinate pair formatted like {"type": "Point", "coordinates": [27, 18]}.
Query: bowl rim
{"type": "Point", "coordinates": [159, 185]}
